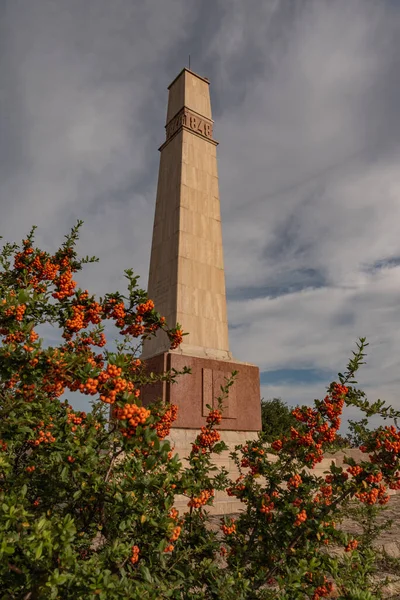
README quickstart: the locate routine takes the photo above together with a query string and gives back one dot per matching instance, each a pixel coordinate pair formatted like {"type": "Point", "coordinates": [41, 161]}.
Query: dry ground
{"type": "Point", "coordinates": [389, 541]}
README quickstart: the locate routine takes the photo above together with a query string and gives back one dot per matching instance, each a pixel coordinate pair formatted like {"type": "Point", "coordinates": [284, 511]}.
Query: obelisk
{"type": "Point", "coordinates": [187, 279]}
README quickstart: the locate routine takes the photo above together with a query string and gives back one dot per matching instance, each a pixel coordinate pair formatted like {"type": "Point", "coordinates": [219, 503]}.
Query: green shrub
{"type": "Point", "coordinates": [87, 502]}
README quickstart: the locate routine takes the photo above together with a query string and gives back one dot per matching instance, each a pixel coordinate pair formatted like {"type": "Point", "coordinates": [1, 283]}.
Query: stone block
{"type": "Point", "coordinates": [243, 408]}
{"type": "Point", "coordinates": [223, 504]}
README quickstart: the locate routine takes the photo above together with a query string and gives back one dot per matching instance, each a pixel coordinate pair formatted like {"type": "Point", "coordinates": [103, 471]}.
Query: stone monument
{"type": "Point", "coordinates": [187, 282]}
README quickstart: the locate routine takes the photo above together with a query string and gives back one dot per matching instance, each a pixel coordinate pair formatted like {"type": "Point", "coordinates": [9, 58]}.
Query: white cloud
{"type": "Point", "coordinates": [301, 132]}
{"type": "Point", "coordinates": [319, 328]}
{"type": "Point", "coordinates": [317, 188]}
{"type": "Point", "coordinates": [79, 97]}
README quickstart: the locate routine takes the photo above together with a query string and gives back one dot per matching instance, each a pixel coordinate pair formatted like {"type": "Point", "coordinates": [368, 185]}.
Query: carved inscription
{"type": "Point", "coordinates": [212, 382]}
{"type": "Point", "coordinates": [185, 118]}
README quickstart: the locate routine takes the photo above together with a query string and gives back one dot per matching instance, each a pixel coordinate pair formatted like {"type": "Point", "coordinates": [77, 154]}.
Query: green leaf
{"type": "Point", "coordinates": [146, 574]}
{"type": "Point", "coordinates": [150, 462]}
{"type": "Point", "coordinates": [41, 523]}
{"type": "Point", "coordinates": [39, 550]}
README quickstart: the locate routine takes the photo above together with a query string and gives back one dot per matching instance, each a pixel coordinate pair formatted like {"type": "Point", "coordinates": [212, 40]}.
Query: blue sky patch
{"type": "Point", "coordinates": [292, 376]}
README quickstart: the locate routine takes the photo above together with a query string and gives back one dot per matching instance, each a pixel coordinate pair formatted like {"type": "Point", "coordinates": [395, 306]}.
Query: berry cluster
{"type": "Point", "coordinates": [20, 311]}
{"type": "Point", "coordinates": [267, 505]}
{"type": "Point", "coordinates": [377, 478]}
{"type": "Point", "coordinates": [45, 437]}
{"type": "Point", "coordinates": [75, 419]}
{"type": "Point", "coordinates": [374, 495]}
{"type": "Point", "coordinates": [202, 499]}
{"type": "Point", "coordinates": [385, 449]}
{"type": "Point", "coordinates": [144, 308]}
{"type": "Point", "coordinates": [322, 591]}
{"type": "Point", "coordinates": [135, 555]}
{"type": "Point", "coordinates": [139, 323]}
{"type": "Point", "coordinates": [133, 415]}
{"type": "Point", "coordinates": [27, 391]}
{"type": "Point", "coordinates": [294, 482]}
{"type": "Point", "coordinates": [208, 437]}
{"type": "Point", "coordinates": [65, 285]}
{"type": "Point", "coordinates": [164, 424]}
{"type": "Point", "coordinates": [115, 310]}
{"type": "Point", "coordinates": [84, 311]}
{"type": "Point", "coordinates": [228, 529]}
{"type": "Point", "coordinates": [355, 470]}
{"type": "Point", "coordinates": [42, 267]}
{"type": "Point", "coordinates": [352, 545]}
{"type": "Point", "coordinates": [300, 518]}
{"type": "Point", "coordinates": [176, 338]}
{"type": "Point", "coordinates": [174, 514]}
{"type": "Point", "coordinates": [176, 533]}
{"type": "Point", "coordinates": [320, 426]}
{"type": "Point", "coordinates": [15, 310]}
{"type": "Point", "coordinates": [214, 417]}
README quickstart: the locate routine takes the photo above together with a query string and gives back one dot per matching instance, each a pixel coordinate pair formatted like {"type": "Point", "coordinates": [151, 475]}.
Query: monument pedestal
{"type": "Point", "coordinates": [241, 417]}
{"type": "Point", "coordinates": [223, 504]}
{"type": "Point", "coordinates": [193, 392]}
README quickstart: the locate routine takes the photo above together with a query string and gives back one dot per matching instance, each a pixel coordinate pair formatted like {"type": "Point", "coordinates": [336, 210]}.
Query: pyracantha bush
{"type": "Point", "coordinates": [87, 501]}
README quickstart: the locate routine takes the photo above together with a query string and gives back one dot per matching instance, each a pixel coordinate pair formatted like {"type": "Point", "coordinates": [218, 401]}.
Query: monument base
{"type": "Point", "coordinates": [193, 393]}
{"type": "Point", "coordinates": [182, 439]}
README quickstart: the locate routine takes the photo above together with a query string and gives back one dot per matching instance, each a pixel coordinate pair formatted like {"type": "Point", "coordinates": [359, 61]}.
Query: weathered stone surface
{"type": "Point", "coordinates": [186, 279]}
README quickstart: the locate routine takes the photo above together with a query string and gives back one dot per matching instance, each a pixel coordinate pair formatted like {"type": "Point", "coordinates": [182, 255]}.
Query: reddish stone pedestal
{"type": "Point", "coordinates": [192, 393]}
{"type": "Point", "coordinates": [241, 417]}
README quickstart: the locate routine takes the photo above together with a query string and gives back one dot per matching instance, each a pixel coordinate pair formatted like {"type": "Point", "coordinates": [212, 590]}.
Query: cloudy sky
{"type": "Point", "coordinates": [306, 99]}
